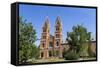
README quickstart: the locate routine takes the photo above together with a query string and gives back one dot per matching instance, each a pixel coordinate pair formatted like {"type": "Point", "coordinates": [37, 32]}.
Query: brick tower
{"type": "Point", "coordinates": [58, 38]}
{"type": "Point", "coordinates": [45, 39]}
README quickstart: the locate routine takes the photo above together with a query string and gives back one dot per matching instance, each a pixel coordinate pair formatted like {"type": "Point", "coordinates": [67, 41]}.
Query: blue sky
{"type": "Point", "coordinates": [70, 16]}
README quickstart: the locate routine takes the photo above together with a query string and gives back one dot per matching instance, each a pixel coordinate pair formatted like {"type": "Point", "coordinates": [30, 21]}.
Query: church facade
{"type": "Point", "coordinates": [52, 45]}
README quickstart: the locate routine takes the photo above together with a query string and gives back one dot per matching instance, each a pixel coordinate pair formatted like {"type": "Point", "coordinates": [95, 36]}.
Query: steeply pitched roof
{"type": "Point", "coordinates": [58, 21]}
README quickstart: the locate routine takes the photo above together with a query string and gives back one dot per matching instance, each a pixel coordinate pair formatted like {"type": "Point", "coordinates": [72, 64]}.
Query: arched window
{"type": "Point", "coordinates": [41, 54]}
{"type": "Point", "coordinates": [57, 43]}
{"type": "Point", "coordinates": [43, 44]}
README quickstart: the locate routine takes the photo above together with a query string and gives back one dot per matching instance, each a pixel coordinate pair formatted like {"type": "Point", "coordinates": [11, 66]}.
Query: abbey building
{"type": "Point", "coordinates": [52, 45]}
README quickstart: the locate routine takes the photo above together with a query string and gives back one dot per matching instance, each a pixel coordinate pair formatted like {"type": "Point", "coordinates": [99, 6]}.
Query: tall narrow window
{"type": "Point", "coordinates": [57, 43]}
{"type": "Point", "coordinates": [41, 54]}
{"type": "Point", "coordinates": [43, 44]}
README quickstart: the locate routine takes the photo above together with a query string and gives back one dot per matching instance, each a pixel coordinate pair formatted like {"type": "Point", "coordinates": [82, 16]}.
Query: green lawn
{"type": "Point", "coordinates": [58, 60]}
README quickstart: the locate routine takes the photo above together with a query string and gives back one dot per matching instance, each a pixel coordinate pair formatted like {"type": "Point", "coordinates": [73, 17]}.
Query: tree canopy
{"type": "Point", "coordinates": [27, 38]}
{"type": "Point", "coordinates": [78, 40]}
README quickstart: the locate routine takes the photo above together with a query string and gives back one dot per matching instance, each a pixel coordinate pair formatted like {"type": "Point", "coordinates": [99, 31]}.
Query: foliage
{"type": "Point", "coordinates": [27, 38]}
{"type": "Point", "coordinates": [71, 55]}
{"type": "Point", "coordinates": [78, 40]}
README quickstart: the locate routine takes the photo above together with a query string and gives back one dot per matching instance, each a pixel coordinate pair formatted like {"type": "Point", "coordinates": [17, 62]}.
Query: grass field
{"type": "Point", "coordinates": [59, 60]}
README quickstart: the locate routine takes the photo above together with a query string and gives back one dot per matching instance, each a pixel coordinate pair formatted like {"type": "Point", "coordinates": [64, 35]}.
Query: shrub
{"type": "Point", "coordinates": [71, 55]}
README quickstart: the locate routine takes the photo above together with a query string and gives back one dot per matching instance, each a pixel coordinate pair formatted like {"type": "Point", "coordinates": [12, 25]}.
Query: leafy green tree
{"type": "Point", "coordinates": [70, 55]}
{"type": "Point", "coordinates": [27, 38]}
{"type": "Point", "coordinates": [78, 40]}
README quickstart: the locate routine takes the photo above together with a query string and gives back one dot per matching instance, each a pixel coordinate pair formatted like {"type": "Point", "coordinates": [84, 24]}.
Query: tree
{"type": "Point", "coordinates": [27, 38]}
{"type": "Point", "coordinates": [78, 40]}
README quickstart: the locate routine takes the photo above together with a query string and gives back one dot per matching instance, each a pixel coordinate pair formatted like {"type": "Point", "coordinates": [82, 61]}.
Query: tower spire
{"type": "Point", "coordinates": [46, 21]}
{"type": "Point", "coordinates": [58, 21]}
